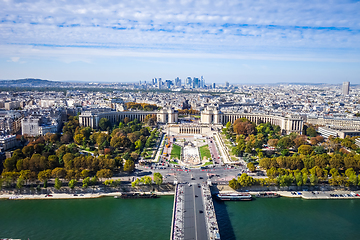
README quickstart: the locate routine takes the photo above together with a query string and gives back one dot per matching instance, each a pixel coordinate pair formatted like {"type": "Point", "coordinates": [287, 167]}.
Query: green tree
{"type": "Point", "coordinates": [58, 184]}
{"type": "Point", "coordinates": [285, 180]}
{"type": "Point", "coordinates": [299, 179]}
{"type": "Point", "coordinates": [353, 179]}
{"type": "Point", "coordinates": [72, 184]}
{"type": "Point", "coordinates": [158, 178]}
{"type": "Point", "coordinates": [146, 180]}
{"type": "Point", "coordinates": [86, 182]}
{"type": "Point", "coordinates": [251, 167]}
{"type": "Point", "coordinates": [245, 180]}
{"type": "Point", "coordinates": [272, 172]}
{"type": "Point", "coordinates": [135, 183]}
{"type": "Point", "coordinates": [310, 131]}
{"type": "Point", "coordinates": [104, 123]}
{"type": "Point", "coordinates": [314, 179]}
{"type": "Point", "coordinates": [20, 183]}
{"type": "Point", "coordinates": [129, 166]}
{"type": "Point", "coordinates": [234, 184]}
{"type": "Point", "coordinates": [285, 143]}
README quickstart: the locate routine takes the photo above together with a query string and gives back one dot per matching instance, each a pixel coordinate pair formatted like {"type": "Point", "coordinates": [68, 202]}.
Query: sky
{"type": "Point", "coordinates": [242, 42]}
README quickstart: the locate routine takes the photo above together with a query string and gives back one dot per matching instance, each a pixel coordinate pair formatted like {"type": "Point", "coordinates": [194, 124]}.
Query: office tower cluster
{"type": "Point", "coordinates": [189, 83]}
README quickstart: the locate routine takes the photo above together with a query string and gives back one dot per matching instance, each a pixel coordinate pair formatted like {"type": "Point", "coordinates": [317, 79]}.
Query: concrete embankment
{"type": "Point", "coordinates": [334, 194]}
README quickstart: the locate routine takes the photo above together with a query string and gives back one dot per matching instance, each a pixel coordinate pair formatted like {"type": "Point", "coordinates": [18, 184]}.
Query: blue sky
{"type": "Point", "coordinates": [264, 41]}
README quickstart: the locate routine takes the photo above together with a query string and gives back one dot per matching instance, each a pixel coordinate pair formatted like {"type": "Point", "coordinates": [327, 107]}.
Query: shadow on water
{"type": "Point", "coordinates": [223, 218]}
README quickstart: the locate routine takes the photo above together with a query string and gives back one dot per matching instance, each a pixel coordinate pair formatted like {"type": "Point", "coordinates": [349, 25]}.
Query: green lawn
{"type": "Point", "coordinates": [208, 163]}
{"type": "Point", "coordinates": [205, 152]}
{"type": "Point", "coordinates": [175, 152]}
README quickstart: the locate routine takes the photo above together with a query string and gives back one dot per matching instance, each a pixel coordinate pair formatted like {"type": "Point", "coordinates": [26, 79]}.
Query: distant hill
{"type": "Point", "coordinates": [32, 82]}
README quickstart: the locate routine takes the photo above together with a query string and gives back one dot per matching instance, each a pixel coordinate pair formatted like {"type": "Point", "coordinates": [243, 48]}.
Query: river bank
{"type": "Point", "coordinates": [313, 195]}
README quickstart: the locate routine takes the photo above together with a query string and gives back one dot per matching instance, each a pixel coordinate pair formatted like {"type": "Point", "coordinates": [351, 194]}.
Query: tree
{"type": "Point", "coordinates": [28, 151]}
{"type": "Point", "coordinates": [319, 150]}
{"type": "Point", "coordinates": [129, 166]}
{"type": "Point", "coordinates": [126, 120]}
{"type": "Point", "coordinates": [336, 161]}
{"type": "Point", "coordinates": [305, 149]}
{"type": "Point", "coordinates": [353, 179]}
{"type": "Point", "coordinates": [104, 123]}
{"type": "Point", "coordinates": [53, 138]}
{"type": "Point", "coordinates": [20, 183]}
{"type": "Point", "coordinates": [134, 155]}
{"type": "Point", "coordinates": [158, 178]}
{"type": "Point", "coordinates": [241, 126]}
{"type": "Point", "coordinates": [84, 174]}
{"type": "Point", "coordinates": [272, 142]}
{"type": "Point", "coordinates": [58, 184]}
{"type": "Point", "coordinates": [314, 179]}
{"type": "Point", "coordinates": [245, 180]}
{"type": "Point", "coordinates": [72, 184]}
{"type": "Point", "coordinates": [272, 172]}
{"type": "Point", "coordinates": [79, 138]}
{"type": "Point", "coordinates": [285, 142]}
{"type": "Point", "coordinates": [135, 183]}
{"type": "Point", "coordinates": [44, 175]}
{"type": "Point", "coordinates": [58, 173]}
{"type": "Point", "coordinates": [251, 167]}
{"type": "Point", "coordinates": [234, 184]}
{"type": "Point", "coordinates": [300, 140]}
{"type": "Point", "coordinates": [299, 179]}
{"type": "Point", "coordinates": [25, 175]}
{"type": "Point", "coordinates": [285, 180]}
{"type": "Point", "coordinates": [146, 180]}
{"type": "Point", "coordinates": [86, 182]}
{"type": "Point", "coordinates": [310, 131]}
{"type": "Point", "coordinates": [104, 173]}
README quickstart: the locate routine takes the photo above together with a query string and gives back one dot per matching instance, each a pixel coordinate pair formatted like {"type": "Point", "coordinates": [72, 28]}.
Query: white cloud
{"type": "Point", "coordinates": [14, 59]}
{"type": "Point", "coordinates": [227, 27]}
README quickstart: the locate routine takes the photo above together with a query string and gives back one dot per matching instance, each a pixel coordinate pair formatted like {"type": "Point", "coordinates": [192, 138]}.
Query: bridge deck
{"type": "Point", "coordinates": [194, 214]}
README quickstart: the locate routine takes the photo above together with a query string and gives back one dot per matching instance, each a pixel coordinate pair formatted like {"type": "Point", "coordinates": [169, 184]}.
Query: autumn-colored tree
{"type": "Point", "coordinates": [305, 149]}
{"type": "Point", "coordinates": [272, 142]}
{"type": "Point", "coordinates": [243, 127]}
{"type": "Point", "coordinates": [300, 140]}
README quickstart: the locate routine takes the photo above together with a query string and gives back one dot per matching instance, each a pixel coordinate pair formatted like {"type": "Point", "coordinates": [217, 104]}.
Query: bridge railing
{"type": "Point", "coordinates": [177, 223]}
{"type": "Point", "coordinates": [210, 216]}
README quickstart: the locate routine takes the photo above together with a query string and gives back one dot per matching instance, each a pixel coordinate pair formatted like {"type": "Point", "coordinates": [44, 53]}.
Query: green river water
{"type": "Point", "coordinates": [109, 218]}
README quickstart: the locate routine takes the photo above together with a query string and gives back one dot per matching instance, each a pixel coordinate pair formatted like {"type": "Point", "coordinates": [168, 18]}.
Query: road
{"type": "Point", "coordinates": [213, 151]}
{"type": "Point", "coordinates": [194, 221]}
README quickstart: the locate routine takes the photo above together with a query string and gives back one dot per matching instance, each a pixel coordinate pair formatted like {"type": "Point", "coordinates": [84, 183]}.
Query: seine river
{"type": "Point", "coordinates": [109, 218]}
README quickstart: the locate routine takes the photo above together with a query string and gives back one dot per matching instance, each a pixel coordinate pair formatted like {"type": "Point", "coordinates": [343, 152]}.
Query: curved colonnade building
{"type": "Point", "coordinates": [92, 118]}
{"type": "Point", "coordinates": [211, 115]}
{"type": "Point", "coordinates": [288, 124]}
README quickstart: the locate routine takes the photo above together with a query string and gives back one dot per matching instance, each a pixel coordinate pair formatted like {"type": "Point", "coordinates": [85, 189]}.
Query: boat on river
{"type": "Point", "coordinates": [267, 195]}
{"type": "Point", "coordinates": [138, 195]}
{"type": "Point", "coordinates": [234, 196]}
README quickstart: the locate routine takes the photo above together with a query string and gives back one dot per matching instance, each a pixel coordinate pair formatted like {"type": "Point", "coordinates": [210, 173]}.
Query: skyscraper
{"type": "Point", "coordinates": [188, 82]}
{"type": "Point", "coordinates": [159, 83]}
{"type": "Point", "coordinates": [346, 88]}
{"type": "Point", "coordinates": [202, 82]}
{"type": "Point", "coordinates": [177, 82]}
{"type": "Point", "coordinates": [196, 82]}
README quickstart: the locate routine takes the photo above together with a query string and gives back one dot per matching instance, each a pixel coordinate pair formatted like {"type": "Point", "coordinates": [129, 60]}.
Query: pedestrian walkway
{"type": "Point", "coordinates": [210, 216]}
{"type": "Point", "coordinates": [177, 232]}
